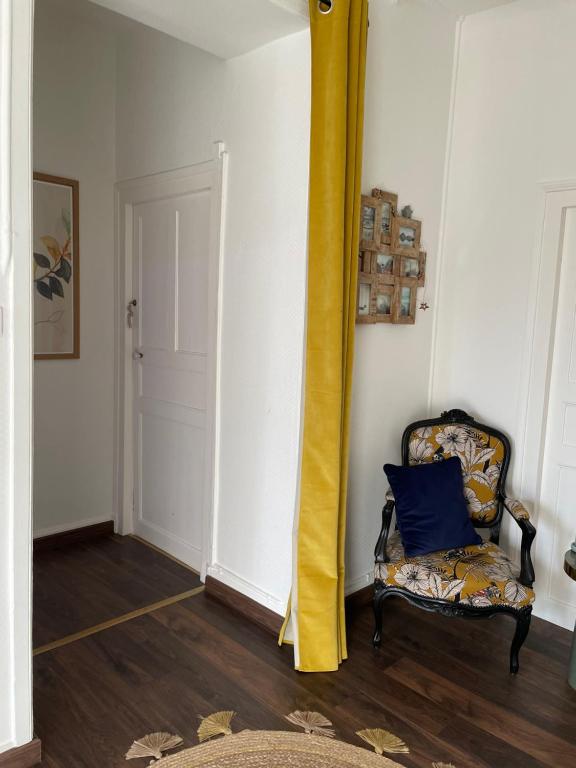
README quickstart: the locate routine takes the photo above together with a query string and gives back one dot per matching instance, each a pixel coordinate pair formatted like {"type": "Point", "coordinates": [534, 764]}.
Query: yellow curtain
{"type": "Point", "coordinates": [316, 621]}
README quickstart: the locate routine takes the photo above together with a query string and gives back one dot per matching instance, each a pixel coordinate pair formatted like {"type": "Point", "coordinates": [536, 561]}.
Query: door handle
{"type": "Point", "coordinates": [137, 355]}
{"type": "Point", "coordinates": [130, 312]}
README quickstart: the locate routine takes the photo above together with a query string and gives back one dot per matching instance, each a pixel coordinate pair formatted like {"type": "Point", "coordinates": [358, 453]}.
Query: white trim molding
{"type": "Point", "coordinates": [440, 257]}
{"type": "Point", "coordinates": [16, 30]}
{"type": "Point", "coordinates": [244, 587]}
{"type": "Point", "coordinates": [73, 525]}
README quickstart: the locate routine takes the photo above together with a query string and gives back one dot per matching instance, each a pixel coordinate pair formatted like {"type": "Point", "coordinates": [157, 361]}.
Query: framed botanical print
{"type": "Point", "coordinates": [55, 268]}
{"type": "Point", "coordinates": [406, 236]}
{"type": "Point", "coordinates": [389, 203]}
{"type": "Point", "coordinates": [370, 223]}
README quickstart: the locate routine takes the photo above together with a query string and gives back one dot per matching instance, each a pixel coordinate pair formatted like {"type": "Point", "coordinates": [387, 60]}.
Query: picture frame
{"type": "Point", "coordinates": [365, 262]}
{"type": "Point", "coordinates": [384, 302]}
{"type": "Point", "coordinates": [364, 303]}
{"type": "Point", "coordinates": [406, 236]}
{"type": "Point", "coordinates": [389, 202]}
{"type": "Point", "coordinates": [56, 267]}
{"type": "Point", "coordinates": [405, 301]}
{"type": "Point", "coordinates": [409, 266]}
{"type": "Point", "coordinates": [370, 214]}
{"type": "Point", "coordinates": [384, 265]}
{"type": "Point", "coordinates": [422, 273]}
{"type": "Point", "coordinates": [391, 266]}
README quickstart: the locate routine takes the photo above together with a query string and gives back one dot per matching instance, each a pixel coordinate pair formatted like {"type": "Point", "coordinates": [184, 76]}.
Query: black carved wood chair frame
{"type": "Point", "coordinates": [446, 607]}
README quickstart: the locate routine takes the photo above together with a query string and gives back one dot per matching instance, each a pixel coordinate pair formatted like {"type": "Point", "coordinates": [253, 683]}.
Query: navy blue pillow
{"type": "Point", "coordinates": [431, 509]}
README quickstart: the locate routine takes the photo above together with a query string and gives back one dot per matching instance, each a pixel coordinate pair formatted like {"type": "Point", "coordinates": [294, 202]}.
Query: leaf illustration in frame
{"type": "Point", "coordinates": [44, 289]}
{"type": "Point", "coordinates": [52, 246]}
{"type": "Point", "coordinates": [42, 260]}
{"type": "Point", "coordinates": [64, 270]}
{"type": "Point", "coordinates": [56, 286]}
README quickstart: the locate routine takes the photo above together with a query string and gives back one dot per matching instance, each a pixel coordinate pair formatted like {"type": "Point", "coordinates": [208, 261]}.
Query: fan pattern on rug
{"type": "Point", "coordinates": [317, 747]}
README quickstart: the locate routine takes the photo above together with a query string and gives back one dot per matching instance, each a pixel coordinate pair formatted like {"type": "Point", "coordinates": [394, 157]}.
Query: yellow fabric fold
{"type": "Point", "coordinates": [338, 72]}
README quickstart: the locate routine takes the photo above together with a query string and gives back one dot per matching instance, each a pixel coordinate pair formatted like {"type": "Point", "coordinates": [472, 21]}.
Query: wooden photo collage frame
{"type": "Point", "coordinates": [391, 265]}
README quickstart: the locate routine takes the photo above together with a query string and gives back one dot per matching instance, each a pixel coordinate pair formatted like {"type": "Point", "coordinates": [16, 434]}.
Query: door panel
{"type": "Point", "coordinates": [555, 592]}
{"type": "Point", "coordinates": [171, 245]}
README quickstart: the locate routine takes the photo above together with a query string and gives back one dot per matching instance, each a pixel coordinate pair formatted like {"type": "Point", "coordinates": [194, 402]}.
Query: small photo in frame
{"type": "Point", "coordinates": [389, 206]}
{"type": "Point", "coordinates": [370, 216]}
{"type": "Point", "coordinates": [410, 266]}
{"type": "Point", "coordinates": [365, 262]}
{"type": "Point", "coordinates": [383, 263]}
{"type": "Point", "coordinates": [406, 236]}
{"type": "Point", "coordinates": [363, 313]}
{"type": "Point", "coordinates": [405, 301]}
{"type": "Point", "coordinates": [384, 301]}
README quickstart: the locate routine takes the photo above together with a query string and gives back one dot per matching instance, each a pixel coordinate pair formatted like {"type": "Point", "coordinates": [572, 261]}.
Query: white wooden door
{"type": "Point", "coordinates": [556, 523]}
{"type": "Point", "coordinates": [172, 225]}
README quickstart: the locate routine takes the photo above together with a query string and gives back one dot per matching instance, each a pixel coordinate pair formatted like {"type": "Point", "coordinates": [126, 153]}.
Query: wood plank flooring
{"type": "Point", "coordinates": [440, 684]}
{"type": "Point", "coordinates": [78, 586]}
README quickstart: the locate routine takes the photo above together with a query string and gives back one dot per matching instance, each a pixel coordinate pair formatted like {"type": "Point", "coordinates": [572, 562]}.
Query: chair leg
{"type": "Point", "coordinates": [377, 604]}
{"type": "Point", "coordinates": [522, 627]}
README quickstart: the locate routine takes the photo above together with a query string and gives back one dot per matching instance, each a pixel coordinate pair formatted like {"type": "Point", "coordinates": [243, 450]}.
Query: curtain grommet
{"type": "Point", "coordinates": [325, 6]}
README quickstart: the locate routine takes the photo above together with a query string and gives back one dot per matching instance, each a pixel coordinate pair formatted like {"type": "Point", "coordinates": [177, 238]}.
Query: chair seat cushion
{"type": "Point", "coordinates": [480, 575]}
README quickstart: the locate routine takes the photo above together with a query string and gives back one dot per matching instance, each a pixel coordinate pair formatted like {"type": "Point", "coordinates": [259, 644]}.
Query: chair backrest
{"type": "Point", "coordinates": [483, 451]}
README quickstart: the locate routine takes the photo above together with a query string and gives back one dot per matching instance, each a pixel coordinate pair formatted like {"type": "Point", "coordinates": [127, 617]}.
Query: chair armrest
{"type": "Point", "coordinates": [380, 550]}
{"type": "Point", "coordinates": [520, 514]}
{"type": "Point", "coordinates": [516, 509]}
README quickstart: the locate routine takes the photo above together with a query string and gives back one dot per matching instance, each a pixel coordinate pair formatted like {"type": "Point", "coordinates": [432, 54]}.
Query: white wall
{"type": "Point", "coordinates": [169, 103]}
{"type": "Point", "coordinates": [15, 374]}
{"type": "Point", "coordinates": [74, 103]}
{"type": "Point", "coordinates": [267, 134]}
{"type": "Point", "coordinates": [514, 128]}
{"type": "Point", "coordinates": [408, 82]}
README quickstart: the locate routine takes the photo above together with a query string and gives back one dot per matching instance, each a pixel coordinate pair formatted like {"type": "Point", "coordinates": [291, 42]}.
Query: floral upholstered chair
{"type": "Point", "coordinates": [474, 581]}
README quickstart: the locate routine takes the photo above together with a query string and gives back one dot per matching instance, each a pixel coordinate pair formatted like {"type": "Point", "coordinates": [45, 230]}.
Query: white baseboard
{"type": "Point", "coordinates": [7, 745]}
{"type": "Point", "coordinates": [555, 612]}
{"type": "Point", "coordinates": [70, 526]}
{"type": "Point", "coordinates": [262, 597]}
{"type": "Point", "coordinates": [236, 582]}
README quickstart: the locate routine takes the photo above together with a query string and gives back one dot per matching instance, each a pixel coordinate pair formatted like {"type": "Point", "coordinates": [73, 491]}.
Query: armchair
{"type": "Point", "coordinates": [476, 581]}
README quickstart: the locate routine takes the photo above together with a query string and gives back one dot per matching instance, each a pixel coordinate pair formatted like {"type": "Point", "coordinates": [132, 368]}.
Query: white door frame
{"type": "Point", "coordinates": [16, 371]}
{"type": "Point", "coordinates": [128, 193]}
{"type": "Point", "coordinates": [556, 197]}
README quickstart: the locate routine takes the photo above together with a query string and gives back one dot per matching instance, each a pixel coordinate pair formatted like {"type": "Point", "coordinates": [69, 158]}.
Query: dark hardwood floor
{"type": "Point", "coordinates": [80, 585]}
{"type": "Point", "coordinates": [440, 684]}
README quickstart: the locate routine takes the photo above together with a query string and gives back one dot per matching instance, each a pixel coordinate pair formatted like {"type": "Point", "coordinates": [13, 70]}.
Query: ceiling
{"type": "Point", "coordinates": [225, 28]}
{"type": "Point", "coordinates": [230, 28]}
{"type": "Point", "coordinates": [464, 7]}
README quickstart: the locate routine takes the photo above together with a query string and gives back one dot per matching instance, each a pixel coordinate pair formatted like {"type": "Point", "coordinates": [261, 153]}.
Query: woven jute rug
{"type": "Point", "coordinates": [275, 749]}
{"type": "Point", "coordinates": [317, 747]}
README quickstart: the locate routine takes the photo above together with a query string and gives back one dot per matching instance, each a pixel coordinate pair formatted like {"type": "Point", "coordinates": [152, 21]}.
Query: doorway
{"type": "Point", "coordinates": [554, 387]}
{"type": "Point", "coordinates": [169, 255]}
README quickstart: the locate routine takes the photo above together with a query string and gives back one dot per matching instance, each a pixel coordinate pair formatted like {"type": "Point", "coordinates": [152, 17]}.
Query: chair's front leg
{"type": "Point", "coordinates": [377, 603]}
{"type": "Point", "coordinates": [522, 627]}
